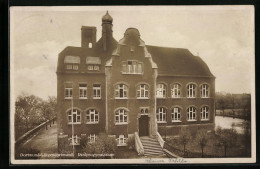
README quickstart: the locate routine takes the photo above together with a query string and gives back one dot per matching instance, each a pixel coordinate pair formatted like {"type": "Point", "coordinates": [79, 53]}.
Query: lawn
{"type": "Point", "coordinates": [212, 149]}
{"type": "Point", "coordinates": [126, 153]}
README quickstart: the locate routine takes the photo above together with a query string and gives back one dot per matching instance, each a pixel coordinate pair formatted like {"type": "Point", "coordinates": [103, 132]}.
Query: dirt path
{"type": "Point", "coordinates": [44, 140]}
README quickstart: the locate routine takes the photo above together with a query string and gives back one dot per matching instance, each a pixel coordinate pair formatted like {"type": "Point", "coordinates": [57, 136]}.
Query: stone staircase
{"type": "Point", "coordinates": [151, 146]}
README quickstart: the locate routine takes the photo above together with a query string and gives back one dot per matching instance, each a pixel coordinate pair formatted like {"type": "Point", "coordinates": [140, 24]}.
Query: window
{"type": "Point", "coordinates": [161, 115]}
{"type": "Point", "coordinates": [132, 67]}
{"type": "Point", "coordinates": [82, 91]}
{"type": "Point", "coordinates": [69, 67]}
{"type": "Point", "coordinates": [96, 67]}
{"type": "Point", "coordinates": [68, 91]}
{"type": "Point", "coordinates": [90, 67]}
{"type": "Point", "coordinates": [75, 67]}
{"type": "Point", "coordinates": [96, 91]}
{"type": "Point", "coordinates": [176, 114]}
{"type": "Point", "coordinates": [204, 112]}
{"type": "Point", "coordinates": [191, 114]}
{"type": "Point", "coordinates": [121, 140]}
{"type": "Point", "coordinates": [92, 138]}
{"type": "Point", "coordinates": [74, 140]}
{"type": "Point", "coordinates": [121, 116]}
{"type": "Point", "coordinates": [191, 91]}
{"type": "Point", "coordinates": [204, 90]}
{"type": "Point", "coordinates": [144, 110]}
{"type": "Point", "coordinates": [74, 117]}
{"type": "Point", "coordinates": [89, 45]}
{"type": "Point", "coordinates": [161, 90]}
{"type": "Point", "coordinates": [92, 116]}
{"type": "Point", "coordinates": [176, 90]}
{"type": "Point", "coordinates": [121, 91]}
{"type": "Point", "coordinates": [142, 91]}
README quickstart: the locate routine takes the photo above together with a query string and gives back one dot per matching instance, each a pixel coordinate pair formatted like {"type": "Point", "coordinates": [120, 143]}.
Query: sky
{"type": "Point", "coordinates": [223, 36]}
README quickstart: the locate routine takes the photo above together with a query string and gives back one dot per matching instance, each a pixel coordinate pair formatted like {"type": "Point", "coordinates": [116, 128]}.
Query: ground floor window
{"type": "Point", "coordinates": [176, 114]}
{"type": "Point", "coordinates": [92, 138]}
{"type": "Point", "coordinates": [74, 140]}
{"type": "Point", "coordinates": [121, 116]}
{"type": "Point", "coordinates": [191, 114]}
{"type": "Point", "coordinates": [204, 112]}
{"type": "Point", "coordinates": [161, 115]}
{"type": "Point", "coordinates": [121, 140]}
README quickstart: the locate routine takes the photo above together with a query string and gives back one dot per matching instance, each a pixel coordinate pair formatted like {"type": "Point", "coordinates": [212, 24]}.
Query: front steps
{"type": "Point", "coordinates": [151, 146]}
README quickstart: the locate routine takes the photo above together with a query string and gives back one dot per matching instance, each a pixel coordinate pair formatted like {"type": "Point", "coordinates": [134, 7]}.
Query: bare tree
{"type": "Point", "coordinates": [185, 137]}
{"type": "Point", "coordinates": [202, 139]}
{"type": "Point", "coordinates": [226, 138]}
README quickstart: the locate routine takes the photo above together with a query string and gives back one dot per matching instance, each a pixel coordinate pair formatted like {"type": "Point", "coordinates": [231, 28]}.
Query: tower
{"type": "Point", "coordinates": [107, 32]}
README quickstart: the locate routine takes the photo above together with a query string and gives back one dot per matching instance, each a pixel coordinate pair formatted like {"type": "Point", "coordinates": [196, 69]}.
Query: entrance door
{"type": "Point", "coordinates": [144, 125]}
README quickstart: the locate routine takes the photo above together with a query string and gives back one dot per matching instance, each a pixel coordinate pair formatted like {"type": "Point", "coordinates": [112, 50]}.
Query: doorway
{"type": "Point", "coordinates": [144, 125]}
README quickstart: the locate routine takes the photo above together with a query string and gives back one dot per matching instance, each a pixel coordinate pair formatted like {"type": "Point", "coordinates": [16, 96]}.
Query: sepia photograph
{"type": "Point", "coordinates": [132, 84]}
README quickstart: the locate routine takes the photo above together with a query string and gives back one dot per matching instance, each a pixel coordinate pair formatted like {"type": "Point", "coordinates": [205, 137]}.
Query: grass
{"type": "Point", "coordinates": [193, 149]}
{"type": "Point", "coordinates": [126, 153]}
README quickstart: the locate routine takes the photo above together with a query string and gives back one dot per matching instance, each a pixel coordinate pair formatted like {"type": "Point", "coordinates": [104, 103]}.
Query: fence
{"type": "Point", "coordinates": [25, 136]}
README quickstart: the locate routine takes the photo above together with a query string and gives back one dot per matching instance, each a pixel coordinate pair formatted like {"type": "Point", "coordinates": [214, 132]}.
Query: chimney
{"type": "Point", "coordinates": [88, 36]}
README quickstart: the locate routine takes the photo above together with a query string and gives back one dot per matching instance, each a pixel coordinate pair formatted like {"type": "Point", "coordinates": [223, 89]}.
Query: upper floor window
{"type": "Point", "coordinates": [96, 91]}
{"type": "Point", "coordinates": [121, 140]}
{"type": "Point", "coordinates": [74, 140]}
{"type": "Point", "coordinates": [176, 90]}
{"type": "Point", "coordinates": [161, 90]}
{"type": "Point", "coordinates": [92, 116]}
{"type": "Point", "coordinates": [121, 91]}
{"type": "Point", "coordinates": [191, 114]}
{"type": "Point", "coordinates": [82, 91]}
{"type": "Point", "coordinates": [74, 116]}
{"type": "Point", "coordinates": [204, 90]}
{"type": "Point", "coordinates": [204, 113]}
{"type": "Point", "coordinates": [72, 62]}
{"type": "Point", "coordinates": [176, 114]}
{"type": "Point", "coordinates": [142, 91]}
{"type": "Point", "coordinates": [93, 63]}
{"type": "Point", "coordinates": [191, 91]}
{"type": "Point", "coordinates": [132, 67]}
{"type": "Point", "coordinates": [68, 91]}
{"type": "Point", "coordinates": [93, 67]}
{"type": "Point", "coordinates": [121, 116]}
{"type": "Point", "coordinates": [92, 138]}
{"type": "Point", "coordinates": [161, 115]}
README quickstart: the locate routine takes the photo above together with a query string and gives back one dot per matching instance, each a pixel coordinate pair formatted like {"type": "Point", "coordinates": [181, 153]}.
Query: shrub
{"type": "Point", "coordinates": [131, 142]}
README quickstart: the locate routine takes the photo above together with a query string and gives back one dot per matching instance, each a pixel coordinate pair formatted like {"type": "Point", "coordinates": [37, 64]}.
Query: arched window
{"type": "Point", "coordinates": [204, 91]}
{"type": "Point", "coordinates": [142, 91]}
{"type": "Point", "coordinates": [92, 116]}
{"type": "Point", "coordinates": [161, 90]}
{"type": "Point", "coordinates": [204, 113]}
{"type": "Point", "coordinates": [161, 115]}
{"type": "Point", "coordinates": [191, 114]}
{"type": "Point", "coordinates": [121, 116]}
{"type": "Point", "coordinates": [121, 91]}
{"type": "Point", "coordinates": [191, 91]}
{"type": "Point", "coordinates": [74, 116]}
{"type": "Point", "coordinates": [176, 90]}
{"type": "Point", "coordinates": [176, 114]}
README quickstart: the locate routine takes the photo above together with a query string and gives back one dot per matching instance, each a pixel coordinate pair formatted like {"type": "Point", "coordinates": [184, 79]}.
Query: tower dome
{"type": "Point", "coordinates": [107, 18]}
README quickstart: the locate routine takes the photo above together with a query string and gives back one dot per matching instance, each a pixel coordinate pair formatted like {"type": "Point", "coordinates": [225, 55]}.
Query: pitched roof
{"type": "Point", "coordinates": [178, 62]}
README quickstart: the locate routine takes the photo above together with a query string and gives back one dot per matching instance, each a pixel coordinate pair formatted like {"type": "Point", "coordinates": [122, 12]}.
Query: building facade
{"type": "Point", "coordinates": [125, 87]}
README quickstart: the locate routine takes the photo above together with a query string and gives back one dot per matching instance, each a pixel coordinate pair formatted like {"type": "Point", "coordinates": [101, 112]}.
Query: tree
{"type": "Point", "coordinates": [185, 137]}
{"type": "Point", "coordinates": [202, 139]}
{"type": "Point", "coordinates": [48, 109]}
{"type": "Point", "coordinates": [226, 138]}
{"type": "Point", "coordinates": [27, 110]}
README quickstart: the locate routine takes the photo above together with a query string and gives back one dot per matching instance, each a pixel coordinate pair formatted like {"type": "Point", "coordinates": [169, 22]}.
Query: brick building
{"type": "Point", "coordinates": [126, 88]}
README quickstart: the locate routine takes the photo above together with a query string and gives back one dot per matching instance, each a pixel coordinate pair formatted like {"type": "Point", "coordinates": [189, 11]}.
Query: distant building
{"type": "Point", "coordinates": [126, 87]}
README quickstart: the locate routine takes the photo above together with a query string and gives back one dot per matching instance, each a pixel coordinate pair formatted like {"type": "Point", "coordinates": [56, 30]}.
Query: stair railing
{"type": "Point", "coordinates": [160, 140]}
{"type": "Point", "coordinates": [138, 145]}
